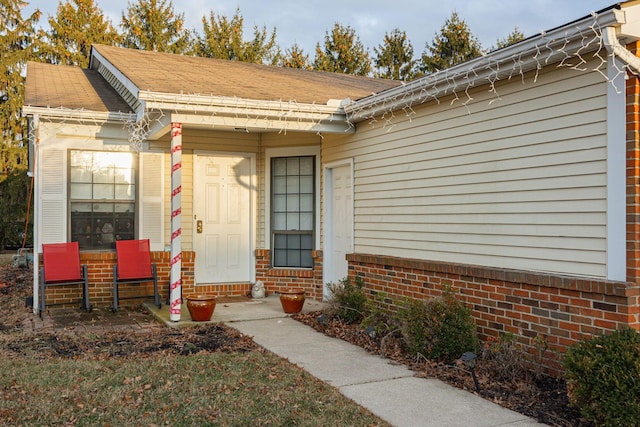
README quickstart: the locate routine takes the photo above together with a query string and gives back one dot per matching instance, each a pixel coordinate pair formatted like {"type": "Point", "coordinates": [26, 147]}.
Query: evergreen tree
{"type": "Point", "coordinates": [455, 44]}
{"type": "Point", "coordinates": [295, 57]}
{"type": "Point", "coordinates": [16, 45]}
{"type": "Point", "coordinates": [514, 37]}
{"type": "Point", "coordinates": [343, 53]}
{"type": "Point", "coordinates": [77, 25]}
{"type": "Point", "coordinates": [154, 25]}
{"type": "Point", "coordinates": [394, 57]}
{"type": "Point", "coordinates": [222, 38]}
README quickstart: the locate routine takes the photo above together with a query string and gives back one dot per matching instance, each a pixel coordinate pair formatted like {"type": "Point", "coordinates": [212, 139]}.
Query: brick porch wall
{"type": "Point", "coordinates": [100, 269]}
{"type": "Point", "coordinates": [559, 309]}
{"type": "Point", "coordinates": [278, 279]}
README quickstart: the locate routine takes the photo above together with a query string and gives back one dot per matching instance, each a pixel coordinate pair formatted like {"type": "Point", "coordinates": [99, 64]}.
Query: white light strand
{"type": "Point", "coordinates": [587, 44]}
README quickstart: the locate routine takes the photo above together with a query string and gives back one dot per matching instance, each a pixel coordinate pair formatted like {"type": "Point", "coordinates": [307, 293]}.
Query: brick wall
{"type": "Point", "coordinates": [633, 172]}
{"type": "Point", "coordinates": [559, 309]}
{"type": "Point", "coordinates": [277, 279]}
{"type": "Point", "coordinates": [100, 270]}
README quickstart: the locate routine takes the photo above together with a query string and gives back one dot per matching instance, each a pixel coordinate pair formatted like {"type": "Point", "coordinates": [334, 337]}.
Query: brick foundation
{"type": "Point", "coordinates": [278, 279]}
{"type": "Point", "coordinates": [559, 309]}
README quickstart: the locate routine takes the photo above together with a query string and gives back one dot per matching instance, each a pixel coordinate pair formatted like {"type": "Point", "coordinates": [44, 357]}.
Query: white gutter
{"type": "Point", "coordinates": [613, 45]}
{"type": "Point", "coordinates": [206, 103]}
{"type": "Point", "coordinates": [78, 115]}
{"type": "Point", "coordinates": [527, 55]}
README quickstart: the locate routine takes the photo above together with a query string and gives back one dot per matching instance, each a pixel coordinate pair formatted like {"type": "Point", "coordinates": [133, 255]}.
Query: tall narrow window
{"type": "Point", "coordinates": [292, 211]}
{"type": "Point", "coordinates": [102, 196]}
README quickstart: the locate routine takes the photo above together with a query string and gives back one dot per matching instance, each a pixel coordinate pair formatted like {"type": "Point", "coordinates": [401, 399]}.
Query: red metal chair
{"type": "Point", "coordinates": [61, 266]}
{"type": "Point", "coordinates": [134, 266]}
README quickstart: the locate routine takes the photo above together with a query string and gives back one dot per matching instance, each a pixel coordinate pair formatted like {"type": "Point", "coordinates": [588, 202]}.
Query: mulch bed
{"type": "Point", "coordinates": [538, 396]}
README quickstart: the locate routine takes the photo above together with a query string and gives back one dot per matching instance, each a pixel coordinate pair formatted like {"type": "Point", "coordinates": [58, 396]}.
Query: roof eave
{"type": "Point", "coordinates": [68, 114]}
{"type": "Point", "coordinates": [515, 59]}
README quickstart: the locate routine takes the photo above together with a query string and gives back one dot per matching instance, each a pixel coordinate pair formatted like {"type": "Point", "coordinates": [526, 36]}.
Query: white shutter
{"type": "Point", "coordinates": [151, 218]}
{"type": "Point", "coordinates": [53, 209]}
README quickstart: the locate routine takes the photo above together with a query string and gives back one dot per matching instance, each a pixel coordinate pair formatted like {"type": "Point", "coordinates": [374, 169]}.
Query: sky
{"type": "Point", "coordinates": [306, 22]}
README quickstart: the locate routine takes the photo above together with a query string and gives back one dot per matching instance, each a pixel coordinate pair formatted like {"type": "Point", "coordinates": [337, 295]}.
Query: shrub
{"type": "Point", "coordinates": [348, 301]}
{"type": "Point", "coordinates": [441, 328]}
{"type": "Point", "coordinates": [377, 318]}
{"type": "Point", "coordinates": [603, 378]}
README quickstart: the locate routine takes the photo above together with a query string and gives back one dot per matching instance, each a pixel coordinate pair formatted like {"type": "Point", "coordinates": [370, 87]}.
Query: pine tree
{"type": "Point", "coordinates": [514, 37]}
{"type": "Point", "coordinates": [16, 44]}
{"type": "Point", "coordinates": [394, 57]}
{"type": "Point", "coordinates": [222, 38]}
{"type": "Point", "coordinates": [295, 57]}
{"type": "Point", "coordinates": [154, 25]}
{"type": "Point", "coordinates": [77, 25]}
{"type": "Point", "coordinates": [343, 53]}
{"type": "Point", "coordinates": [455, 44]}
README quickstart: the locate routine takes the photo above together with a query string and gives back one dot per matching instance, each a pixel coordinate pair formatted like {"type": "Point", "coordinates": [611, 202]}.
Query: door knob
{"type": "Point", "coordinates": [199, 226]}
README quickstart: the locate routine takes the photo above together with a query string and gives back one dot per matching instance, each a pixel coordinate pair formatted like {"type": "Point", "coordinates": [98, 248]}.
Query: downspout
{"type": "Point", "coordinates": [613, 46]}
{"type": "Point", "coordinates": [33, 140]}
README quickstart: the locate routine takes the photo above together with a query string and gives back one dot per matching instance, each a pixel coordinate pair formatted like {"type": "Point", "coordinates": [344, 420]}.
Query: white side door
{"type": "Point", "coordinates": [222, 215]}
{"type": "Point", "coordinates": [339, 217]}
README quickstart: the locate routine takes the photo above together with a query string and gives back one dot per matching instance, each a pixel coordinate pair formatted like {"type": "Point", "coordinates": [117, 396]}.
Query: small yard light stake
{"type": "Point", "coordinates": [469, 359]}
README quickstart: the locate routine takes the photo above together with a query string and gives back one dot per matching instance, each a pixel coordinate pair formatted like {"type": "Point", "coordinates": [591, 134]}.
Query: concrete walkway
{"type": "Point", "coordinates": [388, 390]}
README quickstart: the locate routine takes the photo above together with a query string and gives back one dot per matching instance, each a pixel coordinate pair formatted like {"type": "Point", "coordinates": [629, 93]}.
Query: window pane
{"type": "Point", "coordinates": [103, 191]}
{"type": "Point", "coordinates": [280, 185]}
{"type": "Point", "coordinates": [306, 184]}
{"type": "Point", "coordinates": [80, 191]}
{"type": "Point", "coordinates": [293, 166]}
{"type": "Point", "coordinates": [280, 167]}
{"type": "Point", "coordinates": [80, 174]}
{"type": "Point", "coordinates": [103, 175]}
{"type": "Point", "coordinates": [293, 221]}
{"type": "Point", "coordinates": [306, 260]}
{"type": "Point", "coordinates": [306, 166]}
{"type": "Point", "coordinates": [279, 203]}
{"type": "Point", "coordinates": [124, 176]}
{"type": "Point", "coordinates": [306, 241]}
{"type": "Point", "coordinates": [124, 192]}
{"type": "Point", "coordinates": [293, 184]}
{"type": "Point", "coordinates": [293, 258]}
{"type": "Point", "coordinates": [306, 221]}
{"type": "Point", "coordinates": [82, 159]}
{"type": "Point", "coordinates": [293, 241]}
{"type": "Point", "coordinates": [293, 203]}
{"type": "Point", "coordinates": [123, 207]}
{"type": "Point", "coordinates": [306, 203]}
{"type": "Point", "coordinates": [279, 221]}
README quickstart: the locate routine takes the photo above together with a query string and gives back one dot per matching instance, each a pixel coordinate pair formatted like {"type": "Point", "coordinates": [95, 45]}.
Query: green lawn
{"type": "Point", "coordinates": [238, 389]}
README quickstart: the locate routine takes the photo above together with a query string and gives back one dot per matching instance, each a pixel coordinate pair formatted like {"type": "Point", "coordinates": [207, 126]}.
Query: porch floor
{"type": "Point", "coordinates": [229, 312]}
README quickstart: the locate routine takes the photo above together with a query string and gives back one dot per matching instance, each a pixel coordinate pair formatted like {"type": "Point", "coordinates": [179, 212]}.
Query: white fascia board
{"type": "Point", "coordinates": [520, 57]}
{"type": "Point", "coordinates": [259, 124]}
{"type": "Point", "coordinates": [77, 115]}
{"type": "Point", "coordinates": [230, 113]}
{"type": "Point", "coordinates": [204, 103]}
{"type": "Point", "coordinates": [122, 78]}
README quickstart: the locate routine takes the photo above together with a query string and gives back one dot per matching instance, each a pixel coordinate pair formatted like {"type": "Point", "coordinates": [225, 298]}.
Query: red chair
{"type": "Point", "coordinates": [134, 266]}
{"type": "Point", "coordinates": [61, 266]}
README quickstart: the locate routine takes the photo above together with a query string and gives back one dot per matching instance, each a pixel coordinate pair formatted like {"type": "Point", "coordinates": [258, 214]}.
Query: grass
{"type": "Point", "coordinates": [237, 389]}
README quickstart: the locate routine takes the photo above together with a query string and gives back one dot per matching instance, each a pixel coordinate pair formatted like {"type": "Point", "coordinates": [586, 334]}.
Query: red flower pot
{"type": "Point", "coordinates": [201, 307]}
{"type": "Point", "coordinates": [292, 300]}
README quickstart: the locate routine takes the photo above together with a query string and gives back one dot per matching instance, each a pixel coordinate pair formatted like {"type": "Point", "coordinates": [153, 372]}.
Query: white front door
{"type": "Point", "coordinates": [339, 238]}
{"type": "Point", "coordinates": [222, 216]}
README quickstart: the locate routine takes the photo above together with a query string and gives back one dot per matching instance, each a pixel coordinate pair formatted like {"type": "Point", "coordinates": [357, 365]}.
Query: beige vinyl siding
{"type": "Point", "coordinates": [516, 183]}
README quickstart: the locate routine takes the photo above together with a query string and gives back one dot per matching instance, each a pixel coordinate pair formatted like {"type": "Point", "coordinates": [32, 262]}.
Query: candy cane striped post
{"type": "Point", "coordinates": [175, 299]}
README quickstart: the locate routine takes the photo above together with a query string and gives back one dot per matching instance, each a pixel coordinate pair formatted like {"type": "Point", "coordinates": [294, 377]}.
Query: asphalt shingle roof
{"type": "Point", "coordinates": [70, 87]}
{"type": "Point", "coordinates": [75, 88]}
{"type": "Point", "coordinates": [169, 73]}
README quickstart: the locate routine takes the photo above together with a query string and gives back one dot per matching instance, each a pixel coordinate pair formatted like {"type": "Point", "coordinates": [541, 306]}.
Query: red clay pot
{"type": "Point", "coordinates": [201, 307]}
{"type": "Point", "coordinates": [292, 300]}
